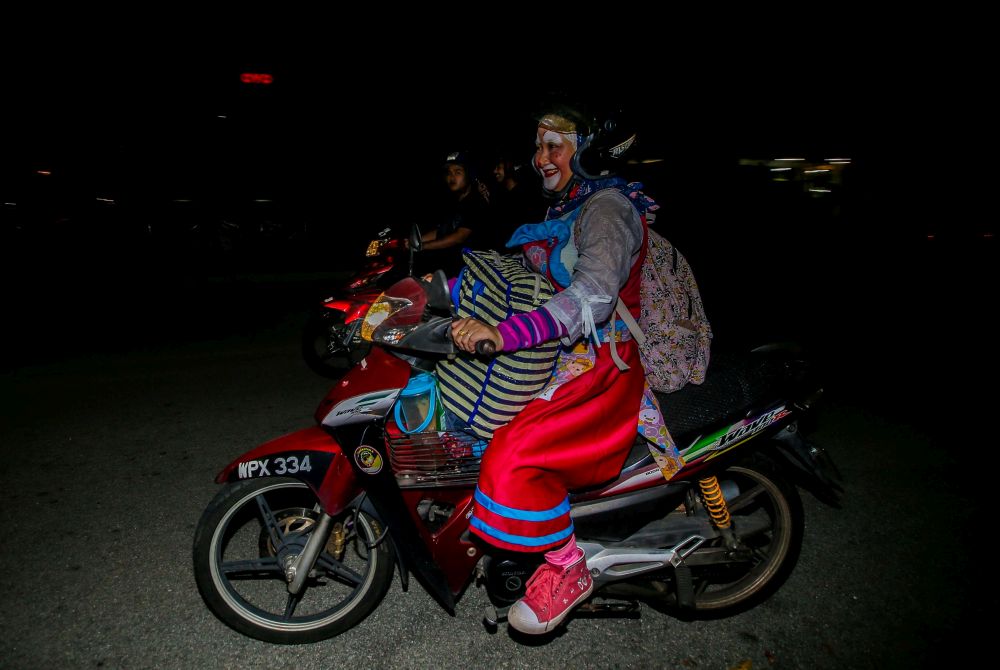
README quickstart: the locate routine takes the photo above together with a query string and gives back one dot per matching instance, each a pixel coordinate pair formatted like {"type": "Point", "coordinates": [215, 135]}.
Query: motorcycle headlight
{"type": "Point", "coordinates": [381, 309]}
{"type": "Point", "coordinates": [391, 316]}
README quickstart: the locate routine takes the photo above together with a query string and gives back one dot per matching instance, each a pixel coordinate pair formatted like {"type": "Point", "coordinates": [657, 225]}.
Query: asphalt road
{"type": "Point", "coordinates": [107, 459]}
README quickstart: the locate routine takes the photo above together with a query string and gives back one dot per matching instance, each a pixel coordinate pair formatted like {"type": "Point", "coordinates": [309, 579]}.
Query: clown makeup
{"type": "Point", "coordinates": [553, 151]}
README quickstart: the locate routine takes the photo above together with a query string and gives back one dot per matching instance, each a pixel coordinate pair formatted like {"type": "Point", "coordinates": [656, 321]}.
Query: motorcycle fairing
{"type": "Point", "coordinates": [369, 276]}
{"type": "Point", "coordinates": [327, 470]}
{"type": "Point", "coordinates": [353, 307]}
{"type": "Point", "coordinates": [366, 392]}
{"type": "Point", "coordinates": [361, 408]}
{"type": "Point", "coordinates": [645, 474]}
{"type": "Point", "coordinates": [451, 545]}
{"type": "Point", "coordinates": [396, 513]}
{"type": "Point", "coordinates": [721, 441]}
{"type": "Point", "coordinates": [386, 498]}
{"type": "Point", "coordinates": [610, 517]}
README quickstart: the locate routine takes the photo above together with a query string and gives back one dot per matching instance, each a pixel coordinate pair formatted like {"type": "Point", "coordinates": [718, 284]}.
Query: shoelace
{"type": "Point", "coordinates": [543, 581]}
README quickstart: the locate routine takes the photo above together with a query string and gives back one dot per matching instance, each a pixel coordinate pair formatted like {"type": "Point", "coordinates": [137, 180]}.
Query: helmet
{"type": "Point", "coordinates": [602, 152]}
{"type": "Point", "coordinates": [465, 159]}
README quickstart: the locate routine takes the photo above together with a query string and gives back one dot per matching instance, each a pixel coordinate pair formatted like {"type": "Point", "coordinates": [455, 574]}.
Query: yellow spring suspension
{"type": "Point", "coordinates": [715, 502]}
{"type": "Point", "coordinates": [335, 545]}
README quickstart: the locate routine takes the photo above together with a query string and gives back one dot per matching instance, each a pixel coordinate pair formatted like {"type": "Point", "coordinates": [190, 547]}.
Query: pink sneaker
{"type": "Point", "coordinates": [552, 593]}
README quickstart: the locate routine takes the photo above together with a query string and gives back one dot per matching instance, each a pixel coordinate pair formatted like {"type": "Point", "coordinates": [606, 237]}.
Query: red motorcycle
{"type": "Point", "coordinates": [302, 541]}
{"type": "Point", "coordinates": [331, 340]}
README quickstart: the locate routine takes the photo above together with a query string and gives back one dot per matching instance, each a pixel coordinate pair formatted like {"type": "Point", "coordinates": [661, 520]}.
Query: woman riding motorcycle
{"type": "Point", "coordinates": [579, 431]}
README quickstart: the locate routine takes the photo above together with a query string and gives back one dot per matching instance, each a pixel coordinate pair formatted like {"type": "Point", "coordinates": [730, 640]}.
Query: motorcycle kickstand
{"type": "Point", "coordinates": [493, 616]}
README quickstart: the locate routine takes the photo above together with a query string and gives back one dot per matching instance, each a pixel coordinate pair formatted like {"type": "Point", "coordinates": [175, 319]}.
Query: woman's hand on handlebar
{"type": "Point", "coordinates": [465, 333]}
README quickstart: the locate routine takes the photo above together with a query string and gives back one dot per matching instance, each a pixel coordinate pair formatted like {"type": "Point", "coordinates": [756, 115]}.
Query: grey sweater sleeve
{"type": "Point", "coordinates": [610, 238]}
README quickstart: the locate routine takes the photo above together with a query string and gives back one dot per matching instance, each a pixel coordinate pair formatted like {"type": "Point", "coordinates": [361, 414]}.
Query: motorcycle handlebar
{"type": "Point", "coordinates": [483, 347]}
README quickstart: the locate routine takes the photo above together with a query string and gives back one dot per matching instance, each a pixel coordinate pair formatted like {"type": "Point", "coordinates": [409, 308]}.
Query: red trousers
{"type": "Point", "coordinates": [579, 438]}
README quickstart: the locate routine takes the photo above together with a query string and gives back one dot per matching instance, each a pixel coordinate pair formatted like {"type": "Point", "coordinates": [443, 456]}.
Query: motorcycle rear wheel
{"type": "Point", "coordinates": [768, 520]}
{"type": "Point", "coordinates": [322, 347]}
{"type": "Point", "coordinates": [239, 570]}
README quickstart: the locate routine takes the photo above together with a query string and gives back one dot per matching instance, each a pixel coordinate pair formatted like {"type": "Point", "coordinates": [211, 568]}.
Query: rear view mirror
{"type": "Point", "coordinates": [438, 296]}
{"type": "Point", "coordinates": [416, 242]}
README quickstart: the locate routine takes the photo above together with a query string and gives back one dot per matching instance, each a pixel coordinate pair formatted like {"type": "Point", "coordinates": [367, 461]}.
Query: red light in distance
{"type": "Point", "coordinates": [256, 78]}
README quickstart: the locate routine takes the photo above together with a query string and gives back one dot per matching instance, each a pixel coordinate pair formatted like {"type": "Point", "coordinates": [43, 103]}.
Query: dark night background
{"type": "Point", "coordinates": [305, 170]}
{"type": "Point", "coordinates": [182, 205]}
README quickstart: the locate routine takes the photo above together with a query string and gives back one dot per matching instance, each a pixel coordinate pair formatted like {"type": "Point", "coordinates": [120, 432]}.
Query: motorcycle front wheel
{"type": "Point", "coordinates": [239, 565]}
{"type": "Point", "coordinates": [323, 349]}
{"type": "Point", "coordinates": [768, 524]}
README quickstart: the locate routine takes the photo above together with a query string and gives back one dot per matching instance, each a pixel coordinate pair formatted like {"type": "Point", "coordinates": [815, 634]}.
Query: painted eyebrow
{"type": "Point", "coordinates": [552, 137]}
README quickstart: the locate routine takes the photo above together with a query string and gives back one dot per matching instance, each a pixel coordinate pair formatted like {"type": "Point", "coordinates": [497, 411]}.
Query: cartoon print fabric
{"type": "Point", "coordinates": [579, 360]}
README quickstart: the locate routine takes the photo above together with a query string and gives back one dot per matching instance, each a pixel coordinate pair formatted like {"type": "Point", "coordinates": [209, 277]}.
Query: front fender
{"type": "Point", "coordinates": [311, 455]}
{"type": "Point", "coordinates": [353, 307]}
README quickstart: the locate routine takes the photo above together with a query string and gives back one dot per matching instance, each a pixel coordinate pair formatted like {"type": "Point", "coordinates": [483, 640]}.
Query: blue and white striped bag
{"type": "Point", "coordinates": [487, 393]}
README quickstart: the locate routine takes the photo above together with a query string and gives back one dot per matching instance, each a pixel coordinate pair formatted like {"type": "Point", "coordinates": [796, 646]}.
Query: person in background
{"type": "Point", "coordinates": [579, 430]}
{"type": "Point", "coordinates": [517, 199]}
{"type": "Point", "coordinates": [465, 222]}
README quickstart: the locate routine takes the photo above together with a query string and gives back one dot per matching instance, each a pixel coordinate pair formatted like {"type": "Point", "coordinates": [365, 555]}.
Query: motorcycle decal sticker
{"type": "Point", "coordinates": [369, 460]}
{"type": "Point", "coordinates": [735, 435]}
{"type": "Point", "coordinates": [360, 408]}
{"type": "Point", "coordinates": [638, 480]}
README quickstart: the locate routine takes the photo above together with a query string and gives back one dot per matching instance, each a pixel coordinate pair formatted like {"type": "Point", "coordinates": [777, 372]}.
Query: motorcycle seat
{"type": "Point", "coordinates": [735, 383]}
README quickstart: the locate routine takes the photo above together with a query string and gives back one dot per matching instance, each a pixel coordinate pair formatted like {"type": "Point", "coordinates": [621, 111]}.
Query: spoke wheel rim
{"type": "Point", "coordinates": [275, 620]}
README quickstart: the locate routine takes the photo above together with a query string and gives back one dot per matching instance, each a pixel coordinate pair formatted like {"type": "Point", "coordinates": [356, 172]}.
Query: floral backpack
{"type": "Point", "coordinates": [673, 332]}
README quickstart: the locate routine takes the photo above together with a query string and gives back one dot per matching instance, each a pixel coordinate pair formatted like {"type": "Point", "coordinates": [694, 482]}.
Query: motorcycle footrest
{"type": "Point", "coordinates": [685, 586]}
{"type": "Point", "coordinates": [629, 608]}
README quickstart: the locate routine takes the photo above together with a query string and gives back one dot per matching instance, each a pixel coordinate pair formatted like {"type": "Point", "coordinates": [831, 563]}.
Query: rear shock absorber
{"type": "Point", "coordinates": [715, 502]}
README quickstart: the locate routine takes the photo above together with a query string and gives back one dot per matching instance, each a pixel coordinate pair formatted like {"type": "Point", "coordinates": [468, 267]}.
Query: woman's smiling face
{"type": "Point", "coordinates": [553, 151]}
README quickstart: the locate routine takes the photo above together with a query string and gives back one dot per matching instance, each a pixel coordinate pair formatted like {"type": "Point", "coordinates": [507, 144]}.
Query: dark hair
{"type": "Point", "coordinates": [466, 160]}
{"type": "Point", "coordinates": [508, 165]}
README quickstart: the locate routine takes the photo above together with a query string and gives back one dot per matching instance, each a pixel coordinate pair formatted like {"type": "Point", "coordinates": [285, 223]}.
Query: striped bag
{"type": "Point", "coordinates": [487, 393]}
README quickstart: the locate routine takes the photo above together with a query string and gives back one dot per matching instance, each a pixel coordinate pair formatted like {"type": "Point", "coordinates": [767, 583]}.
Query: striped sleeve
{"type": "Point", "coordinates": [521, 331]}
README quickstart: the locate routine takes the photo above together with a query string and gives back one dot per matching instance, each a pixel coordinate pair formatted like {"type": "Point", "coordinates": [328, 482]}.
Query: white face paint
{"type": "Point", "coordinates": [552, 157]}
